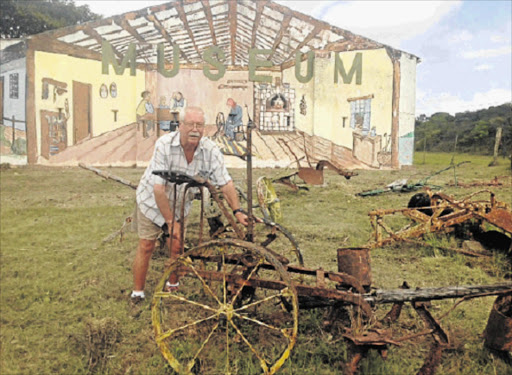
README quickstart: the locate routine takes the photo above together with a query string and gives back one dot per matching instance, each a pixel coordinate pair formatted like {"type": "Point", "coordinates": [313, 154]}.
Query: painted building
{"type": "Point", "coordinates": [321, 90]}
{"type": "Point", "coordinates": [13, 144]}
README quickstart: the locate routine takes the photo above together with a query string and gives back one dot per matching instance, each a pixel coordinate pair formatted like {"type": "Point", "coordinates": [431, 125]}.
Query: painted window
{"type": "Point", "coordinates": [360, 113]}
{"type": "Point", "coordinates": [13, 86]}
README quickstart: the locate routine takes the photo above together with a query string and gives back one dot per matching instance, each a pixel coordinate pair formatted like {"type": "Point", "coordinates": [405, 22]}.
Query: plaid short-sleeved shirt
{"type": "Point", "coordinates": [208, 162]}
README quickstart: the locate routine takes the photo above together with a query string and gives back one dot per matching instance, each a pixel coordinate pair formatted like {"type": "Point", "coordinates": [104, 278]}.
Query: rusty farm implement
{"type": "Point", "coordinates": [237, 309]}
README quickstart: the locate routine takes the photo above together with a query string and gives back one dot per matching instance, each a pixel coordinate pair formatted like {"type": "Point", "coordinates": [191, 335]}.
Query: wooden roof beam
{"type": "Point", "coordinates": [306, 40]}
{"type": "Point", "coordinates": [209, 17]}
{"type": "Point", "coordinates": [183, 17]}
{"type": "Point", "coordinates": [166, 35]}
{"type": "Point", "coordinates": [232, 16]}
{"type": "Point", "coordinates": [126, 26]}
{"type": "Point", "coordinates": [284, 26]}
{"type": "Point", "coordinates": [259, 10]}
{"type": "Point", "coordinates": [94, 34]}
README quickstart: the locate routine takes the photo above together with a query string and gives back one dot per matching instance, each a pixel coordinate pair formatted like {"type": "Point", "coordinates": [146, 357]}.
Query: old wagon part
{"type": "Point", "coordinates": [269, 234]}
{"type": "Point", "coordinates": [270, 205]}
{"type": "Point", "coordinates": [498, 332]}
{"type": "Point", "coordinates": [311, 176]}
{"type": "Point", "coordinates": [108, 176]}
{"type": "Point", "coordinates": [441, 339]}
{"type": "Point", "coordinates": [494, 182]}
{"type": "Point", "coordinates": [443, 213]}
{"type": "Point", "coordinates": [219, 319]}
{"type": "Point", "coordinates": [313, 288]}
{"type": "Point", "coordinates": [402, 186]}
{"type": "Point", "coordinates": [287, 181]}
{"type": "Point", "coordinates": [280, 240]}
{"type": "Point", "coordinates": [322, 164]}
{"type": "Point", "coordinates": [393, 314]}
{"type": "Point", "coordinates": [380, 296]}
{"type": "Point", "coordinates": [361, 344]}
{"type": "Point", "coordinates": [356, 262]}
{"type": "Point", "coordinates": [420, 300]}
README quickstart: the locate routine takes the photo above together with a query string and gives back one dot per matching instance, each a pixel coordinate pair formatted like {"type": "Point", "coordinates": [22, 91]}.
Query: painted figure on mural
{"type": "Point", "coordinates": [176, 151]}
{"type": "Point", "coordinates": [234, 118]}
{"type": "Point", "coordinates": [303, 106]}
{"type": "Point", "coordinates": [178, 104]}
{"type": "Point", "coordinates": [145, 114]}
{"type": "Point", "coordinates": [165, 125]}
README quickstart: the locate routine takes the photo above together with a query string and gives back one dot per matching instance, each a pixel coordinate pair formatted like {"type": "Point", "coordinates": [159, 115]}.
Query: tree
{"type": "Point", "coordinates": [21, 18]}
{"type": "Point", "coordinates": [476, 131]}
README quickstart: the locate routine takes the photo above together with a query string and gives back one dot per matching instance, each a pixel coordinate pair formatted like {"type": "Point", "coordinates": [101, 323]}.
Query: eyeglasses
{"type": "Point", "coordinates": [197, 125]}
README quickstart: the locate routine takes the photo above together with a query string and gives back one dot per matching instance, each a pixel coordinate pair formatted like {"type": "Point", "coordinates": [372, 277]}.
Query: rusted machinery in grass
{"type": "Point", "coordinates": [310, 175]}
{"type": "Point", "coordinates": [237, 309]}
{"type": "Point", "coordinates": [439, 213]}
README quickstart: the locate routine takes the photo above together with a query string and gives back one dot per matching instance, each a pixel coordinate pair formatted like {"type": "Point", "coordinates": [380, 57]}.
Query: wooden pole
{"type": "Point", "coordinates": [429, 294]}
{"type": "Point", "coordinates": [424, 148]}
{"type": "Point", "coordinates": [250, 125]}
{"type": "Point", "coordinates": [13, 131]}
{"type": "Point", "coordinates": [496, 147]}
{"type": "Point", "coordinates": [453, 158]}
{"type": "Point", "coordinates": [107, 175]}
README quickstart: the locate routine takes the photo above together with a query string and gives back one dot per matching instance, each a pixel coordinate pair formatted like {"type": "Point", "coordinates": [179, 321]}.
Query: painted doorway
{"type": "Point", "coordinates": [81, 111]}
{"type": "Point", "coordinates": [54, 137]}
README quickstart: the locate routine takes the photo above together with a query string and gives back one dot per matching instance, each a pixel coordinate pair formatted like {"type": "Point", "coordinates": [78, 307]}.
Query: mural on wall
{"type": "Point", "coordinates": [13, 135]}
{"type": "Point", "coordinates": [124, 81]}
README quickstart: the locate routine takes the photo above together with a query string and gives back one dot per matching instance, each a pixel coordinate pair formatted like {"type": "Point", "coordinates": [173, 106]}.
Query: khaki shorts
{"type": "Point", "coordinates": [146, 229]}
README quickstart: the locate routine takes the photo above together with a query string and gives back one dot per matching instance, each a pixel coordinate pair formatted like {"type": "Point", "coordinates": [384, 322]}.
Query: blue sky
{"type": "Point", "coordinates": [465, 47]}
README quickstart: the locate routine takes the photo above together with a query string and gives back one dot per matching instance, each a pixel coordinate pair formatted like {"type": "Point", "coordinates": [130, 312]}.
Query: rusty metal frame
{"type": "Point", "coordinates": [492, 211]}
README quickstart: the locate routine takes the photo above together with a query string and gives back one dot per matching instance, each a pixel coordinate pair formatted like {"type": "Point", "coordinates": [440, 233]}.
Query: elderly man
{"type": "Point", "coordinates": [185, 152]}
{"type": "Point", "coordinates": [234, 118]}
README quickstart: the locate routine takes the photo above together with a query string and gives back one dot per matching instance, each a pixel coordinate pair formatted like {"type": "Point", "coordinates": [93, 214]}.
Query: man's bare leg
{"type": "Point", "coordinates": [141, 263]}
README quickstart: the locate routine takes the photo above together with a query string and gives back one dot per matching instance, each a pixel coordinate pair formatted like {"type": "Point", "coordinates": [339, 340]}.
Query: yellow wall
{"type": "Point", "coordinates": [68, 69]}
{"type": "Point", "coordinates": [327, 101]}
{"type": "Point", "coordinates": [210, 95]}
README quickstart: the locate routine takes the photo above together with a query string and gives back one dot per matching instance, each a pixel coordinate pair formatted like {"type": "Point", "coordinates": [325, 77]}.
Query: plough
{"type": "Point", "coordinates": [237, 310]}
{"type": "Point", "coordinates": [439, 213]}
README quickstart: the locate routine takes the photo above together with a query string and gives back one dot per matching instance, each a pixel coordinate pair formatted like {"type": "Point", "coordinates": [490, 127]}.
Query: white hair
{"type": "Point", "coordinates": [195, 109]}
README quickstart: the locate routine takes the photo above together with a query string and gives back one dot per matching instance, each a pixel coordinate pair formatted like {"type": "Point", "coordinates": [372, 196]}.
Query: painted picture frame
{"type": "Point", "coordinates": [113, 90]}
{"type": "Point", "coordinates": [103, 91]}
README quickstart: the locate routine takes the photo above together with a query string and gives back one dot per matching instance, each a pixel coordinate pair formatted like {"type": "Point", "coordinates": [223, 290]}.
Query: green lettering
{"type": "Point", "coordinates": [357, 68]}
{"type": "Point", "coordinates": [254, 63]}
{"type": "Point", "coordinates": [108, 57]}
{"type": "Point", "coordinates": [209, 57]}
{"type": "Point", "coordinates": [310, 67]}
{"type": "Point", "coordinates": [161, 61]}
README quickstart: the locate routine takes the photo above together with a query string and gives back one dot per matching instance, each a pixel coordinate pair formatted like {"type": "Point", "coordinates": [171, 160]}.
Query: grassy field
{"type": "Point", "coordinates": [64, 292]}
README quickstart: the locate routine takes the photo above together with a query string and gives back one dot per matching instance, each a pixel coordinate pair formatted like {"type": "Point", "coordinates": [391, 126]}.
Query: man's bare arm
{"type": "Point", "coordinates": [231, 197]}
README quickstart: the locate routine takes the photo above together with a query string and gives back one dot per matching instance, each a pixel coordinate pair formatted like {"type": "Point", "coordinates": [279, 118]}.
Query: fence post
{"type": "Point", "coordinates": [13, 131]}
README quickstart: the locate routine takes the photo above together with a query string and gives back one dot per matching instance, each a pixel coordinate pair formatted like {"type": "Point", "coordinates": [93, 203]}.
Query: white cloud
{"type": "Point", "coordinates": [429, 103]}
{"type": "Point", "coordinates": [492, 52]}
{"type": "Point", "coordinates": [483, 67]}
{"type": "Point", "coordinates": [109, 8]}
{"type": "Point", "coordinates": [389, 22]}
{"type": "Point", "coordinates": [460, 36]}
{"type": "Point", "coordinates": [498, 38]}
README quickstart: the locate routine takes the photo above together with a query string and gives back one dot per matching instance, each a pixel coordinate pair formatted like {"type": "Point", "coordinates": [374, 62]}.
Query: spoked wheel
{"type": "Point", "coordinates": [236, 311]}
{"type": "Point", "coordinates": [267, 198]}
{"type": "Point", "coordinates": [278, 239]}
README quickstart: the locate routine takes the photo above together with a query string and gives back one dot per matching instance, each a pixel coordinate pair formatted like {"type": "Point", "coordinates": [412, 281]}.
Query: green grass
{"type": "Point", "coordinates": [64, 292]}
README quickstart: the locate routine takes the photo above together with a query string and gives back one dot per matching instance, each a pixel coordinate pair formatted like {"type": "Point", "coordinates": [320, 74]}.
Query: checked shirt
{"type": "Point", "coordinates": [208, 162]}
